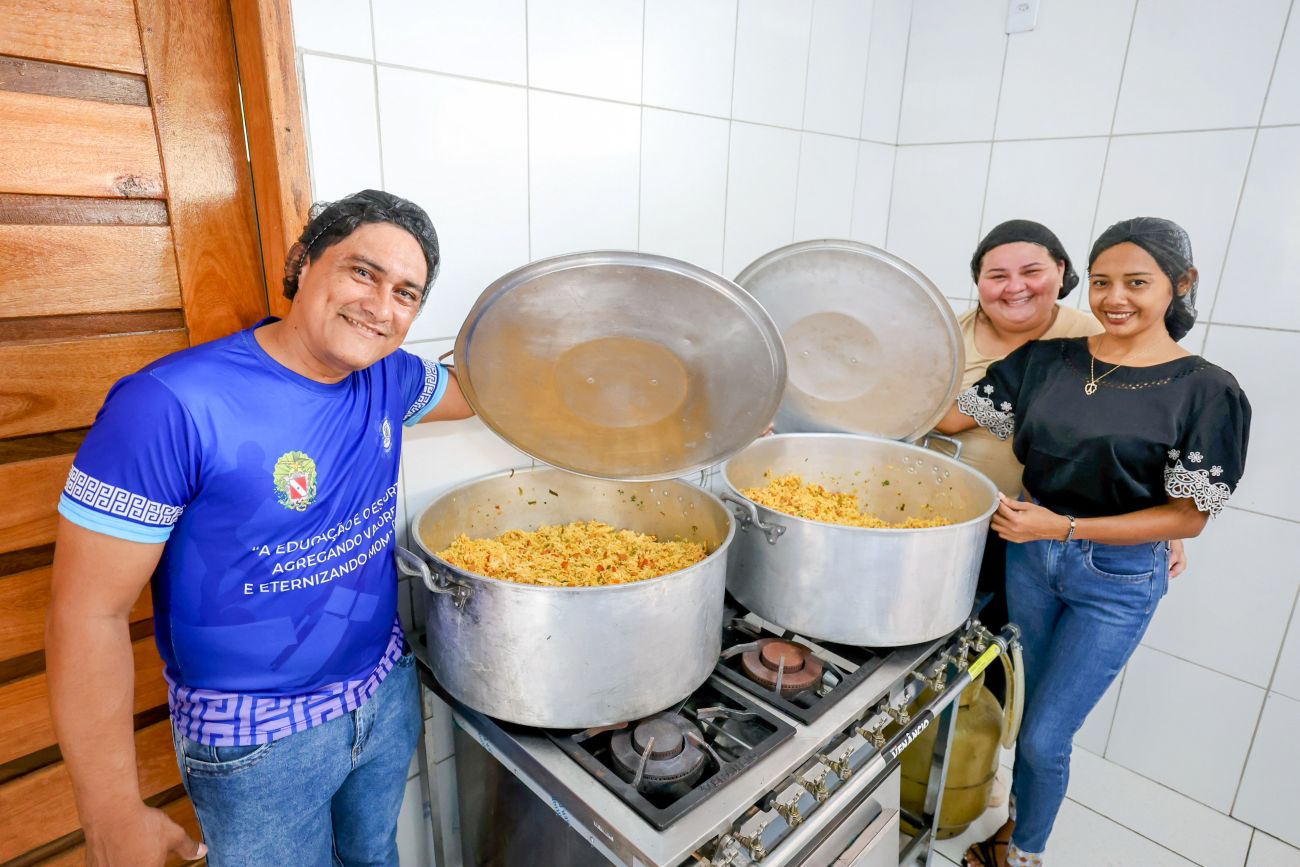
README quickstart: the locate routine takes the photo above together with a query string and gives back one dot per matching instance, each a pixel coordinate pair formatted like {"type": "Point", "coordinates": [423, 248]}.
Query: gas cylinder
{"type": "Point", "coordinates": [972, 762]}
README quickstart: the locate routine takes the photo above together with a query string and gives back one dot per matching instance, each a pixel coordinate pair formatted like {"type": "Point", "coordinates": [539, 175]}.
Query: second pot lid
{"type": "Point", "coordinates": [872, 346]}
{"type": "Point", "coordinates": [621, 365]}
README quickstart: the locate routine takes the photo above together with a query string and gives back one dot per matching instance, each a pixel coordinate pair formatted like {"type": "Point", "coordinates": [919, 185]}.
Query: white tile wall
{"type": "Point", "coordinates": [935, 210]}
{"type": "Point", "coordinates": [483, 39]}
{"type": "Point", "coordinates": [1283, 104]}
{"type": "Point", "coordinates": [1076, 49]}
{"type": "Point", "coordinates": [333, 27]}
{"type": "Point", "coordinates": [771, 61]}
{"type": "Point", "coordinates": [886, 63]}
{"type": "Point", "coordinates": [458, 148]}
{"type": "Point", "coordinates": [1159, 93]}
{"type": "Point", "coordinates": [1258, 359]}
{"type": "Point", "coordinates": [440, 456]}
{"type": "Point", "coordinates": [1268, 789]}
{"type": "Point", "coordinates": [954, 66]}
{"type": "Point", "coordinates": [690, 54]}
{"type": "Point", "coordinates": [1184, 726]}
{"type": "Point", "coordinates": [761, 185]}
{"type": "Point", "coordinates": [824, 203]}
{"type": "Point", "coordinates": [837, 66]}
{"type": "Point", "coordinates": [874, 181]}
{"type": "Point", "coordinates": [583, 174]}
{"type": "Point", "coordinates": [1258, 286]}
{"type": "Point", "coordinates": [683, 185]}
{"type": "Point", "coordinates": [588, 47]}
{"type": "Point", "coordinates": [1053, 182]}
{"type": "Point", "coordinates": [1166, 176]}
{"type": "Point", "coordinates": [1266, 851]}
{"type": "Point", "coordinates": [342, 129]}
{"type": "Point", "coordinates": [1235, 631]}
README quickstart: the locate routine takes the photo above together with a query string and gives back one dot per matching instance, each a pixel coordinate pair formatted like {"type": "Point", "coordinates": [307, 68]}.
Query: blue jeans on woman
{"type": "Point", "coordinates": [317, 798]}
{"type": "Point", "coordinates": [1082, 608]}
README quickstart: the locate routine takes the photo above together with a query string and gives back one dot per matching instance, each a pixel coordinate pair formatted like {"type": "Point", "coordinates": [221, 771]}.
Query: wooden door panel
{"type": "Point", "coordinates": [61, 270]}
{"type": "Point", "coordinates": [75, 147]}
{"type": "Point", "coordinates": [39, 807]}
{"type": "Point", "coordinates": [180, 811]}
{"type": "Point", "coordinates": [24, 599]}
{"type": "Point", "coordinates": [31, 495]}
{"type": "Point", "coordinates": [102, 34]}
{"type": "Point", "coordinates": [58, 385]}
{"type": "Point", "coordinates": [26, 726]}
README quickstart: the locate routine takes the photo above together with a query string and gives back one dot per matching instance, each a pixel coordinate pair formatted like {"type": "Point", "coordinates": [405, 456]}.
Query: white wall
{"type": "Point", "coordinates": [714, 130]}
{"type": "Point", "coordinates": [1188, 109]}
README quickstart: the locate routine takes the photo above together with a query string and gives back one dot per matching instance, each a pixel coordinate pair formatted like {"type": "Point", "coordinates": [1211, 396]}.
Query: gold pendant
{"type": "Point", "coordinates": [1089, 388]}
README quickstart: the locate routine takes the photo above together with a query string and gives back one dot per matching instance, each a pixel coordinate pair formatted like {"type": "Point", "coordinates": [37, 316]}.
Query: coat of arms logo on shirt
{"type": "Point", "coordinates": [295, 481]}
{"type": "Point", "coordinates": [386, 432]}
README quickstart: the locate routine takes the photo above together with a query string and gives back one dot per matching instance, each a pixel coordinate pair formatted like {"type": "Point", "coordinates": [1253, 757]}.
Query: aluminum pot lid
{"type": "Point", "coordinates": [621, 365]}
{"type": "Point", "coordinates": [872, 345]}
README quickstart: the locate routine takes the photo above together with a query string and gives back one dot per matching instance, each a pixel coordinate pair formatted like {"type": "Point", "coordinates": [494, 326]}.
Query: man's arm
{"type": "Point", "coordinates": [453, 404]}
{"type": "Point", "coordinates": [96, 579]}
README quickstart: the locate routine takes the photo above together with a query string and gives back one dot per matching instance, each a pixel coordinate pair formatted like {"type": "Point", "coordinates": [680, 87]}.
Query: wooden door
{"type": "Point", "coordinates": [128, 230]}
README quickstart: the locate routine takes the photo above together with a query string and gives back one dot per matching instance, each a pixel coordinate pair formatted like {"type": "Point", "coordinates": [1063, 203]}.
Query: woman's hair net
{"type": "Point", "coordinates": [1169, 245]}
{"type": "Point", "coordinates": [1014, 231]}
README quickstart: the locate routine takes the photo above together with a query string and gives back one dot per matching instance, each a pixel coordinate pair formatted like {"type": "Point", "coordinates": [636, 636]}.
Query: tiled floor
{"type": "Point", "coordinates": [1085, 837]}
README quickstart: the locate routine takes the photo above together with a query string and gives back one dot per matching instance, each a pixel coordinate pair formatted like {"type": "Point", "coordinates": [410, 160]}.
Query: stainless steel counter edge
{"type": "Point", "coordinates": [536, 757]}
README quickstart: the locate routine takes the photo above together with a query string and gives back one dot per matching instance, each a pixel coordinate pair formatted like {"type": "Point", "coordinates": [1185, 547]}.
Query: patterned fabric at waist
{"type": "Point", "coordinates": [225, 719]}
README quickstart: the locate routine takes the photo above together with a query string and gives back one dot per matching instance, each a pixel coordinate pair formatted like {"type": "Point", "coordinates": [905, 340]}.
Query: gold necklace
{"type": "Point", "coordinates": [1090, 387]}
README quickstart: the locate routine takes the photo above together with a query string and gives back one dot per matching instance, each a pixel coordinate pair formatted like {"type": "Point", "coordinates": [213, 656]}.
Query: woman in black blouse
{"type": "Point", "coordinates": [1128, 441]}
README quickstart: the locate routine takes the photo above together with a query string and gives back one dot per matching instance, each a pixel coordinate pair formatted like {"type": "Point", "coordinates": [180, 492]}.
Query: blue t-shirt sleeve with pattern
{"type": "Point", "coordinates": [424, 382]}
{"type": "Point", "coordinates": [137, 468]}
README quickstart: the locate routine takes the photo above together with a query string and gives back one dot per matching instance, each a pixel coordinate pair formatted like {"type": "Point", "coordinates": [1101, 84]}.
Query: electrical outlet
{"type": "Point", "coordinates": [1022, 15]}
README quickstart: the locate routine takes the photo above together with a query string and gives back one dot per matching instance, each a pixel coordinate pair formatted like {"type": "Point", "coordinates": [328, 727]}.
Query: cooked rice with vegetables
{"type": "Point", "coordinates": [580, 554]}
{"type": "Point", "coordinates": [791, 495]}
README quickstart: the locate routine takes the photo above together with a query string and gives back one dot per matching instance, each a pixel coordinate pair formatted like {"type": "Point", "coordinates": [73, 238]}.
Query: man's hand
{"type": "Point", "coordinates": [1018, 521]}
{"type": "Point", "coordinates": [1177, 558]}
{"type": "Point", "coordinates": [142, 837]}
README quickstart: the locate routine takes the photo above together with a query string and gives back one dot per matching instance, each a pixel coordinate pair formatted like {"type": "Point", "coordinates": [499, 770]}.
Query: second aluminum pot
{"type": "Point", "coordinates": [572, 657]}
{"type": "Point", "coordinates": [855, 585]}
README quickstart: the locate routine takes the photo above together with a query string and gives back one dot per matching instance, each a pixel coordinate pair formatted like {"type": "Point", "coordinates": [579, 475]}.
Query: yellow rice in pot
{"type": "Point", "coordinates": [791, 495]}
{"type": "Point", "coordinates": [580, 554]}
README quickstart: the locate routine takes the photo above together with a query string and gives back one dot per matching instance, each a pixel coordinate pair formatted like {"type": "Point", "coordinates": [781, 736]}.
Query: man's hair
{"type": "Point", "coordinates": [331, 222]}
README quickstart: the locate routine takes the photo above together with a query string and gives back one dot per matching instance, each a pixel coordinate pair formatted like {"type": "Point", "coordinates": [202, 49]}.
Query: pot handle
{"type": "Point", "coordinates": [928, 440]}
{"type": "Point", "coordinates": [414, 566]}
{"type": "Point", "coordinates": [749, 515]}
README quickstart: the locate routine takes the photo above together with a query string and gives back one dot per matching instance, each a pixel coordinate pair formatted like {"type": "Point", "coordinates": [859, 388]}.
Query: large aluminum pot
{"type": "Point", "coordinates": [853, 585]}
{"type": "Point", "coordinates": [572, 657]}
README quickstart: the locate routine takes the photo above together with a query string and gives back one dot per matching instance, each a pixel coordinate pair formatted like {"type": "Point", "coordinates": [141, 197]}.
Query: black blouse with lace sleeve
{"type": "Point", "coordinates": [1147, 434]}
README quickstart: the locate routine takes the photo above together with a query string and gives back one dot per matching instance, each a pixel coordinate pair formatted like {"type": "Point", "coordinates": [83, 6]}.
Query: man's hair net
{"type": "Point", "coordinates": [331, 222]}
{"type": "Point", "coordinates": [1013, 231]}
{"type": "Point", "coordinates": [1169, 245]}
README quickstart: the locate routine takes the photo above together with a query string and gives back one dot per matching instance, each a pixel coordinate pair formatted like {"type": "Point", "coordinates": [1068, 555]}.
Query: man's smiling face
{"type": "Point", "coordinates": [357, 301]}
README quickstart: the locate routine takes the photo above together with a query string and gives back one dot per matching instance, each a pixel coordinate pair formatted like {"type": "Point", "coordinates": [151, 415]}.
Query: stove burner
{"type": "Point", "coordinates": [660, 754]}
{"type": "Point", "coordinates": [774, 661]}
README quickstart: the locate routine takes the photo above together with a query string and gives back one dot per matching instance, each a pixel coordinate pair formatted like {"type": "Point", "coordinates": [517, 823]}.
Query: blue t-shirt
{"type": "Point", "coordinates": [275, 597]}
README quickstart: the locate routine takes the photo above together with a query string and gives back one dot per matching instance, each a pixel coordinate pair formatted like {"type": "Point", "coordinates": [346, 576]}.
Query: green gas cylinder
{"type": "Point", "coordinates": [972, 762]}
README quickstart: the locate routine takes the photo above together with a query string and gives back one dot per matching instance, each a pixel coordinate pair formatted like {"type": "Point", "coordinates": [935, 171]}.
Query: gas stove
{"type": "Point", "coordinates": [788, 752]}
{"type": "Point", "coordinates": [799, 677]}
{"type": "Point", "coordinates": [666, 764]}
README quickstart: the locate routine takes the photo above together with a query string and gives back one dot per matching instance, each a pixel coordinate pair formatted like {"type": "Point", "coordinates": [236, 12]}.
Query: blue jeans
{"type": "Point", "coordinates": [317, 798]}
{"type": "Point", "coordinates": [1082, 608]}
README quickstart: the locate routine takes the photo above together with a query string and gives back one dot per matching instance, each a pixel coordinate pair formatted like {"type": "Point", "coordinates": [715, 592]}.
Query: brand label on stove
{"type": "Point", "coordinates": [922, 723]}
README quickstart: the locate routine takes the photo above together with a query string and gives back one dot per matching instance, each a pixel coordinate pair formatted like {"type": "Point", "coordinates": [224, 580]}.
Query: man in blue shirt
{"type": "Point", "coordinates": [254, 478]}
